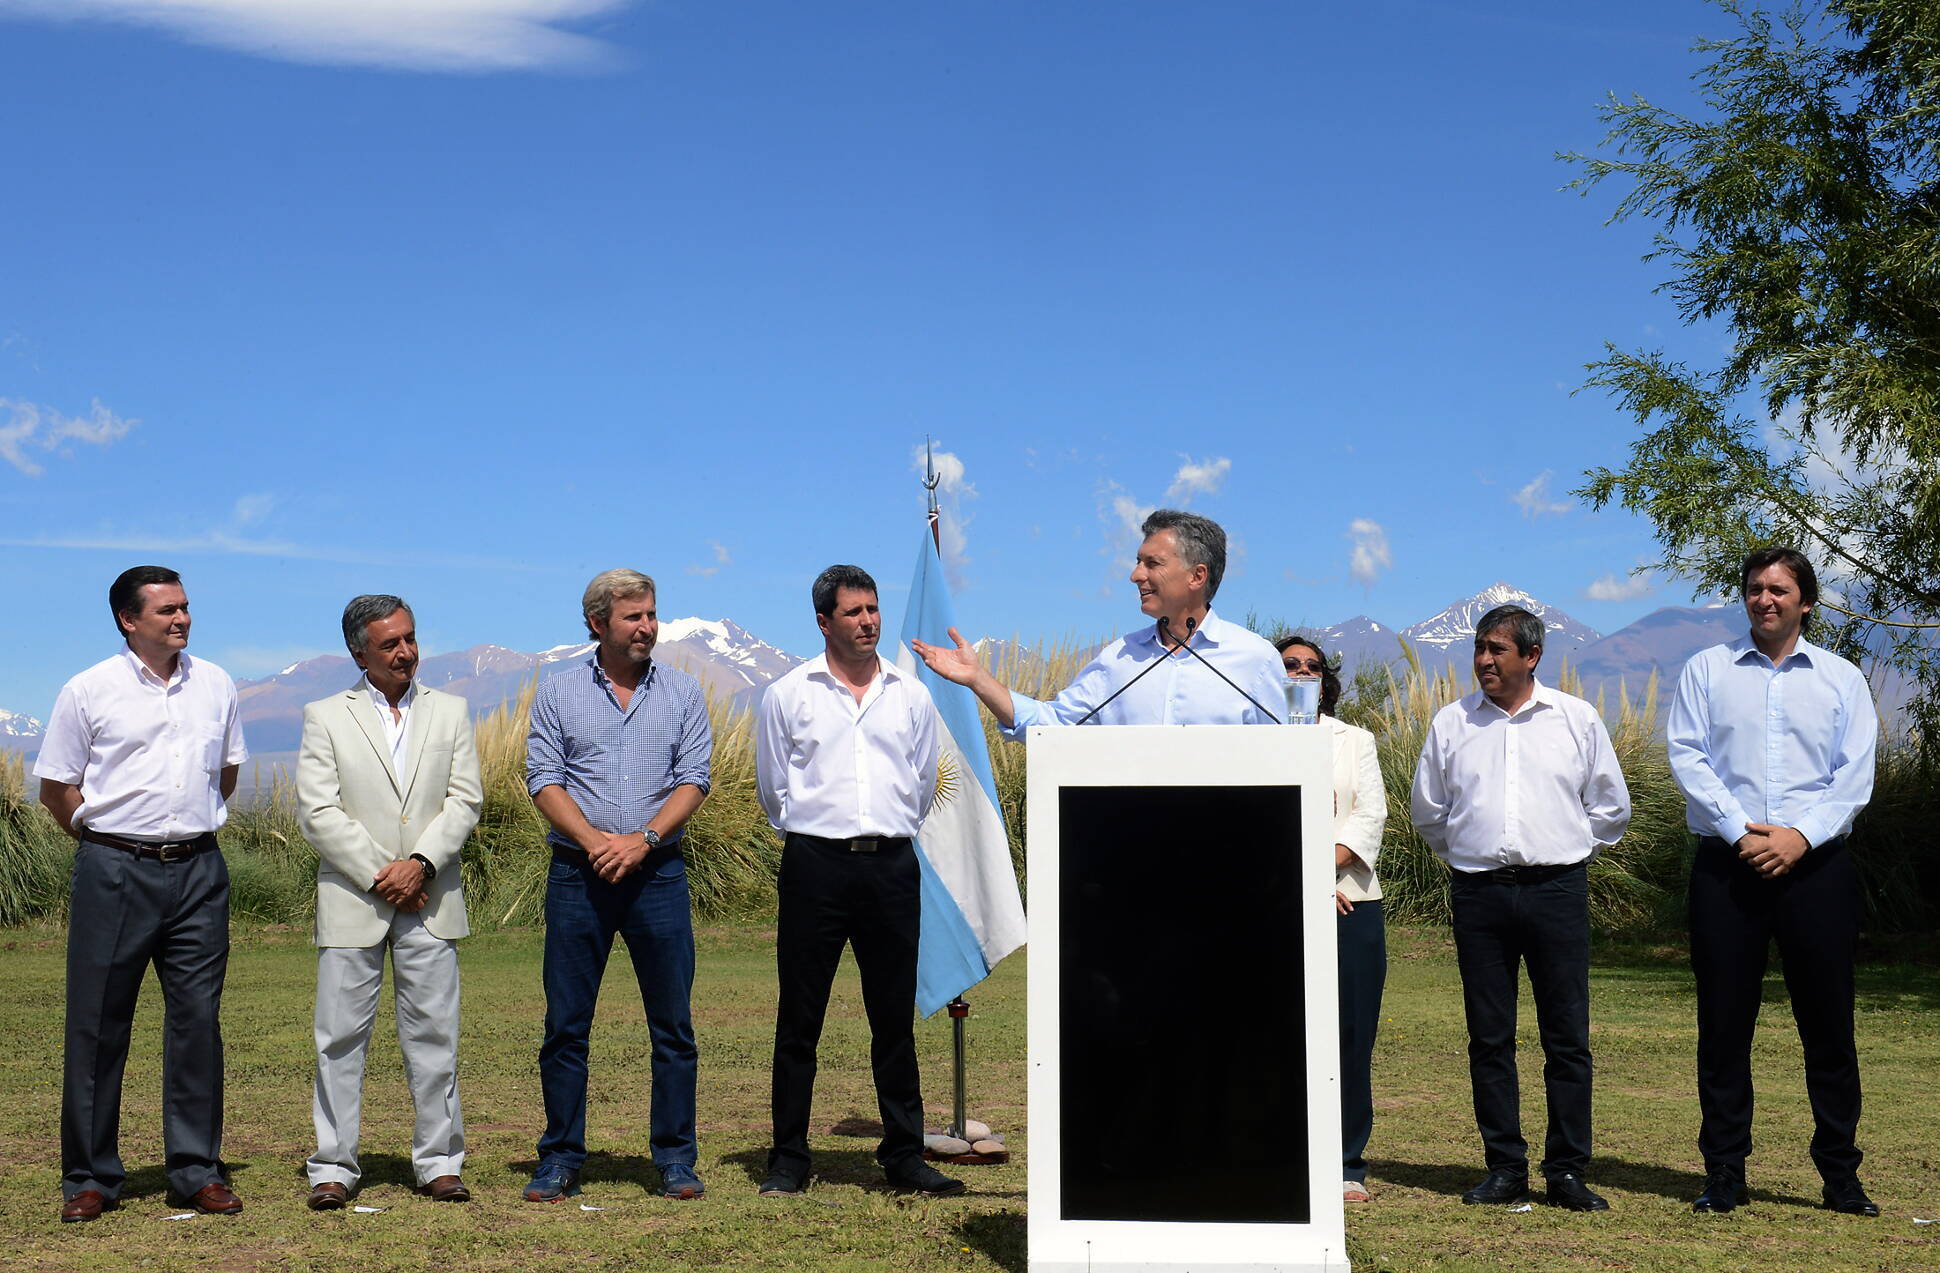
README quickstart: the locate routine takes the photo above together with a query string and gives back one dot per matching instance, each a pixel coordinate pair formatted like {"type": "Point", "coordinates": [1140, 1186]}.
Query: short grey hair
{"type": "Point", "coordinates": [609, 586]}
{"type": "Point", "coordinates": [1525, 629]}
{"type": "Point", "coordinates": [366, 610]}
{"type": "Point", "coordinates": [1201, 541]}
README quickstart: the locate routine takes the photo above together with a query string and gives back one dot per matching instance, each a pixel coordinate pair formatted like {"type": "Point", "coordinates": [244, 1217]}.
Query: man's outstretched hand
{"type": "Point", "coordinates": [959, 665]}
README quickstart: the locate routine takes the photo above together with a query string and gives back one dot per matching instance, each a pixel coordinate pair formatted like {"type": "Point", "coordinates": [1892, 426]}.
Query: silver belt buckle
{"type": "Point", "coordinates": [865, 844]}
{"type": "Point", "coordinates": [180, 851]}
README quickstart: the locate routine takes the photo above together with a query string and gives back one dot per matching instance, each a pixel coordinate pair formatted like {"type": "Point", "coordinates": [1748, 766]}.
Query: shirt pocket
{"type": "Point", "coordinates": [207, 747]}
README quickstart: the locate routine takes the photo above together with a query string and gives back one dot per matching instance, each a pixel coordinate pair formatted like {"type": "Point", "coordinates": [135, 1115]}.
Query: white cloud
{"type": "Point", "coordinates": [251, 509]}
{"type": "Point", "coordinates": [1534, 499]}
{"type": "Point", "coordinates": [1615, 587]}
{"type": "Point", "coordinates": [37, 428]}
{"type": "Point", "coordinates": [1370, 554]}
{"type": "Point", "coordinates": [721, 558]}
{"type": "Point", "coordinates": [952, 489]}
{"type": "Point", "coordinates": [417, 35]}
{"type": "Point", "coordinates": [1200, 478]}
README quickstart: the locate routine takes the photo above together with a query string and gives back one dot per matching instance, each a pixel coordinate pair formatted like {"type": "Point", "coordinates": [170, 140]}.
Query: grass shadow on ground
{"type": "Point", "coordinates": [1001, 1237]}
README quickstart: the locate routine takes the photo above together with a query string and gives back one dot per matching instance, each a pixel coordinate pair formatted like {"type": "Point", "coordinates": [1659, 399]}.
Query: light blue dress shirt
{"type": "Point", "coordinates": [1788, 746]}
{"type": "Point", "coordinates": [1184, 693]}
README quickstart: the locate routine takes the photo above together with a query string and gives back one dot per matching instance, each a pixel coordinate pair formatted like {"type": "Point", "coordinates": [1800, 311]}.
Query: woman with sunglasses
{"type": "Point", "coordinates": [1360, 816]}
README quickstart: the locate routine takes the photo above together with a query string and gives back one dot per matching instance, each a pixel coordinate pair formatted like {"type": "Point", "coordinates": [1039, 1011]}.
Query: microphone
{"type": "Point", "coordinates": [1165, 631]}
{"type": "Point", "coordinates": [1164, 624]}
{"type": "Point", "coordinates": [1192, 626]}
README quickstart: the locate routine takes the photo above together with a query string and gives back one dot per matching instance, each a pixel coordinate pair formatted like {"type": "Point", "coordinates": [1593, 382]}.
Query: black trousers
{"type": "Point", "coordinates": [1363, 972]}
{"type": "Point", "coordinates": [872, 901]}
{"type": "Point", "coordinates": [1541, 917]}
{"type": "Point", "coordinates": [124, 914]}
{"type": "Point", "coordinates": [1814, 912]}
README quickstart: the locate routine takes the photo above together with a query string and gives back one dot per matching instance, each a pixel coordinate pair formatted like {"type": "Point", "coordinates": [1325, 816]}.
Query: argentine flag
{"type": "Point", "coordinates": [972, 913]}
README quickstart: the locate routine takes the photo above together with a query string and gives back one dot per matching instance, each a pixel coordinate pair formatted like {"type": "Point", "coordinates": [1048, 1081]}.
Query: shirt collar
{"type": "Point", "coordinates": [146, 677]}
{"type": "Point", "coordinates": [1745, 647]}
{"type": "Point", "coordinates": [601, 679]}
{"type": "Point", "coordinates": [1207, 633]}
{"type": "Point", "coordinates": [370, 691]}
{"type": "Point", "coordinates": [1540, 695]}
{"type": "Point", "coordinates": [819, 667]}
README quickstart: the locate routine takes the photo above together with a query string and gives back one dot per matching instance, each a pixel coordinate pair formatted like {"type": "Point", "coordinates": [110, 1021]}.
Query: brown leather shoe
{"type": "Point", "coordinates": [85, 1205]}
{"type": "Point", "coordinates": [446, 1189]}
{"type": "Point", "coordinates": [215, 1199]}
{"type": "Point", "coordinates": [328, 1196]}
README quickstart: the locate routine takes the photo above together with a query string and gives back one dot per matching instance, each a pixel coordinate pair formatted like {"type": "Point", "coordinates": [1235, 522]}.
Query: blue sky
{"type": "Point", "coordinates": [470, 301]}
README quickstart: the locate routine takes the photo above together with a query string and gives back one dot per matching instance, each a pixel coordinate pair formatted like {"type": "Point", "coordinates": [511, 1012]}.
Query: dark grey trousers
{"type": "Point", "coordinates": [126, 913]}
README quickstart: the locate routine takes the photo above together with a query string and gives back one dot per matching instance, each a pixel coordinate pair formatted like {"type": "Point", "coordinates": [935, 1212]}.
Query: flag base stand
{"type": "Point", "coordinates": [960, 1129]}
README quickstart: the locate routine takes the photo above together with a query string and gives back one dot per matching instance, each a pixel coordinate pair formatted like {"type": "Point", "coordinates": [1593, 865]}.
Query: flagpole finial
{"type": "Point", "coordinates": [930, 481]}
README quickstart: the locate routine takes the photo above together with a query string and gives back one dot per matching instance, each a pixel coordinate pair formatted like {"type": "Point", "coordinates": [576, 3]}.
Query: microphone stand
{"type": "Point", "coordinates": [1165, 631]}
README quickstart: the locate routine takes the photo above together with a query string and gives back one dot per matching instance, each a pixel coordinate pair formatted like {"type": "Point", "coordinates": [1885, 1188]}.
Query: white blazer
{"type": "Point", "coordinates": [360, 816]}
{"type": "Point", "coordinates": [1360, 811]}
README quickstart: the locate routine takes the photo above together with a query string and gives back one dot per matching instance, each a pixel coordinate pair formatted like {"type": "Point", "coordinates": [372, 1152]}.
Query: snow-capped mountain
{"type": "Point", "coordinates": [19, 731]}
{"type": "Point", "coordinates": [729, 661]}
{"type": "Point", "coordinates": [1453, 630]}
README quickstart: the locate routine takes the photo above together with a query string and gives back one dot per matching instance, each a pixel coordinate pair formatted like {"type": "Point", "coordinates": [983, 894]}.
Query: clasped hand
{"type": "Point", "coordinates": [401, 883]}
{"type": "Point", "coordinates": [1771, 851]}
{"type": "Point", "coordinates": [618, 856]}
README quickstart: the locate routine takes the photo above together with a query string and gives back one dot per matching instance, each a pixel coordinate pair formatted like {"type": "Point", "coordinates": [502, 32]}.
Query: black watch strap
{"type": "Point", "coordinates": [430, 871]}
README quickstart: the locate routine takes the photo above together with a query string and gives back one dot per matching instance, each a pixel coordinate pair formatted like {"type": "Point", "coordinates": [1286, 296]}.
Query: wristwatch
{"type": "Point", "coordinates": [430, 871]}
{"type": "Point", "coordinates": [653, 839]}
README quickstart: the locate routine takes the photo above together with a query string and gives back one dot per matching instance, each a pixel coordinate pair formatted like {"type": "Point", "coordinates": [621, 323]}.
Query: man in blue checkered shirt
{"type": "Point", "coordinates": [617, 761]}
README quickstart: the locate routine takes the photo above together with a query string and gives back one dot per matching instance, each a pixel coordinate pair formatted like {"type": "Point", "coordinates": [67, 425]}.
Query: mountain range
{"type": "Point", "coordinates": [735, 664]}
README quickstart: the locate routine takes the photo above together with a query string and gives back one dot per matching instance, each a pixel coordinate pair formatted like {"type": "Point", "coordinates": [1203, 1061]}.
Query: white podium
{"type": "Point", "coordinates": [1184, 1056]}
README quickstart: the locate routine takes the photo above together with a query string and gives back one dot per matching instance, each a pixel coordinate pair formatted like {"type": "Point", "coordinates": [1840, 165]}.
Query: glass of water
{"type": "Point", "coordinates": [1303, 700]}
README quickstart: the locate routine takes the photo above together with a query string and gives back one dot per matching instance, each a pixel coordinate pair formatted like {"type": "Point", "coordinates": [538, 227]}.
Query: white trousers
{"type": "Point", "coordinates": [425, 972]}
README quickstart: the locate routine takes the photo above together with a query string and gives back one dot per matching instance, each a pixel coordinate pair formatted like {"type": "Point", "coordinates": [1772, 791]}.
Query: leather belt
{"type": "Point", "coordinates": [159, 850]}
{"type": "Point", "coordinates": [856, 844]}
{"type": "Point", "coordinates": [1527, 874]}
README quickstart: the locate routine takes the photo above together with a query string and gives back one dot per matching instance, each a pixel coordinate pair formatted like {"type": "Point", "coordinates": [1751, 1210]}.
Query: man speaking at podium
{"type": "Point", "coordinates": [1215, 673]}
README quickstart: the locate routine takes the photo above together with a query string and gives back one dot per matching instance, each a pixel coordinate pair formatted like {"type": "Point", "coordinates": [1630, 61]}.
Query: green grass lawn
{"type": "Point", "coordinates": [1424, 1151]}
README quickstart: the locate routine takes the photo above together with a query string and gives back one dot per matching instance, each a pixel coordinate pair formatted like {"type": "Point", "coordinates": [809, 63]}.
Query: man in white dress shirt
{"type": "Point", "coordinates": [138, 763]}
{"type": "Point", "coordinates": [387, 789]}
{"type": "Point", "coordinates": [1517, 789]}
{"type": "Point", "coordinates": [845, 757]}
{"type": "Point", "coordinates": [1771, 740]}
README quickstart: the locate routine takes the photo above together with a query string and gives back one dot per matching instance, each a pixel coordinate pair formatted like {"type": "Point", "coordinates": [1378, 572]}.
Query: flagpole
{"type": "Point", "coordinates": [959, 1008]}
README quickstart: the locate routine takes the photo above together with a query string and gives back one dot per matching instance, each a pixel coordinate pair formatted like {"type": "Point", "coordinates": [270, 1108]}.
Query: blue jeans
{"type": "Point", "coordinates": [583, 912]}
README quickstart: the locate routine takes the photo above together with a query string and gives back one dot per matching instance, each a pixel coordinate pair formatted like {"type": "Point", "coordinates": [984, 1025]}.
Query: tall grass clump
{"type": "Point", "coordinates": [36, 856]}
{"type": "Point", "coordinates": [272, 868]}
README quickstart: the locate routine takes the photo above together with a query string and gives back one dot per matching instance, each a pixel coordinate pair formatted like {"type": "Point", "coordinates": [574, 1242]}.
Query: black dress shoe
{"type": "Point", "coordinates": [780, 1184]}
{"type": "Point", "coordinates": [1723, 1191]}
{"type": "Point", "coordinates": [1570, 1193]}
{"type": "Point", "coordinates": [920, 1177]}
{"type": "Point", "coordinates": [1503, 1186]}
{"type": "Point", "coordinates": [1846, 1197]}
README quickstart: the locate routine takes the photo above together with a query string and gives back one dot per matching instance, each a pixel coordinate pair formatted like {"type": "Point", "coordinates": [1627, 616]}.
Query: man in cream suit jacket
{"type": "Point", "coordinates": [387, 790]}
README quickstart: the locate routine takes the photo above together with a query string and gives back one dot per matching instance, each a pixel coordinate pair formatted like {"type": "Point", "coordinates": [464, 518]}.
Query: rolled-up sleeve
{"type": "Point", "coordinates": [545, 751]}
{"type": "Point", "coordinates": [1072, 704]}
{"type": "Point", "coordinates": [694, 755]}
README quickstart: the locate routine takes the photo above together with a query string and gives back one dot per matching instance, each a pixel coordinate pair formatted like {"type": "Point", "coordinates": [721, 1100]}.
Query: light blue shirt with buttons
{"type": "Point", "coordinates": [1186, 692]}
{"type": "Point", "coordinates": [1790, 745]}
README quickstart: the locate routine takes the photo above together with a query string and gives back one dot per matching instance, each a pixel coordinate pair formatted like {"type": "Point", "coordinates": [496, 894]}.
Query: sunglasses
{"type": "Point", "coordinates": [1304, 665]}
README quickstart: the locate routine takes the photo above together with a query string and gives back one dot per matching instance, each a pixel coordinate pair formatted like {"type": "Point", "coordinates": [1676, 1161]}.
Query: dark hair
{"type": "Point", "coordinates": [1524, 627]}
{"type": "Point", "coordinates": [366, 610]}
{"type": "Point", "coordinates": [1793, 560]}
{"type": "Point", "coordinates": [833, 580]}
{"type": "Point", "coordinates": [1329, 674]}
{"type": "Point", "coordinates": [124, 594]}
{"type": "Point", "coordinates": [1201, 541]}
